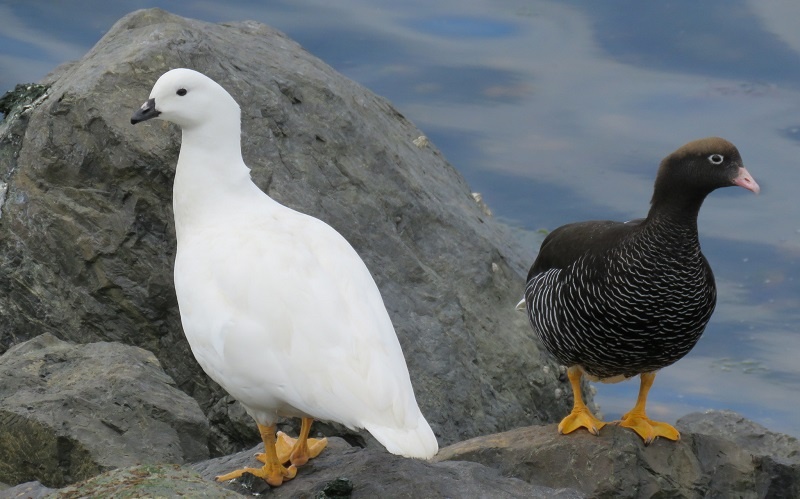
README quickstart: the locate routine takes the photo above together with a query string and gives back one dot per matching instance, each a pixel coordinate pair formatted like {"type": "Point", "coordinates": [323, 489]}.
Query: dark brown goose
{"type": "Point", "coordinates": [612, 300]}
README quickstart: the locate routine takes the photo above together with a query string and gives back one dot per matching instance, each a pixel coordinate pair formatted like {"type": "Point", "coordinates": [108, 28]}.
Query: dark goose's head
{"type": "Point", "coordinates": [691, 173]}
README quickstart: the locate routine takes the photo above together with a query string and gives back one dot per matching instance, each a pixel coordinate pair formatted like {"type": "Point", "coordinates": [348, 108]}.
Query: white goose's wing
{"type": "Point", "coordinates": [283, 313]}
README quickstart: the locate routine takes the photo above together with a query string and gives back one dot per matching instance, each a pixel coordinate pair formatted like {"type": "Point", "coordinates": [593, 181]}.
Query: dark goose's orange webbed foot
{"type": "Point", "coordinates": [581, 416]}
{"type": "Point", "coordinates": [636, 419]}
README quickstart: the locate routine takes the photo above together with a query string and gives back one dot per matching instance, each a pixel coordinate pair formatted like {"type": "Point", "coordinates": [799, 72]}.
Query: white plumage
{"type": "Point", "coordinates": [278, 308]}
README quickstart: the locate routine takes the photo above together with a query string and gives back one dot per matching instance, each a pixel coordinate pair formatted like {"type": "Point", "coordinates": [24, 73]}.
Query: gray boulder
{"type": "Point", "coordinates": [735, 452]}
{"type": "Point", "coordinates": [87, 236]}
{"type": "Point", "coordinates": [720, 454]}
{"type": "Point", "coordinates": [376, 473]}
{"type": "Point", "coordinates": [68, 412]}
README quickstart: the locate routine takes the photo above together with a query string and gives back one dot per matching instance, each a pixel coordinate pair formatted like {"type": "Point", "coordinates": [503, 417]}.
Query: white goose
{"type": "Point", "coordinates": [277, 307]}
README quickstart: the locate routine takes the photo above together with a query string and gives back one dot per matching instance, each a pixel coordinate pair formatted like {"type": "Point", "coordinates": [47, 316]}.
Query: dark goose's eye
{"type": "Point", "coordinates": [181, 92]}
{"type": "Point", "coordinates": [716, 159]}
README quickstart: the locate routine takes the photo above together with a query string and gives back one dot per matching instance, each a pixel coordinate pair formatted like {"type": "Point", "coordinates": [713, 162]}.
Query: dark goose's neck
{"type": "Point", "coordinates": [676, 204]}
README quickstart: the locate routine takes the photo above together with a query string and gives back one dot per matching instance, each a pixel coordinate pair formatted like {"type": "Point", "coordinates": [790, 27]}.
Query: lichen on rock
{"type": "Point", "coordinates": [24, 94]}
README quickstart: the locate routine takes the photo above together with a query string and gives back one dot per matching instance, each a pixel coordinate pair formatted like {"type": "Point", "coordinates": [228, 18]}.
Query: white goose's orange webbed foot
{"type": "Point", "coordinates": [283, 447]}
{"type": "Point", "coordinates": [581, 416]}
{"type": "Point", "coordinates": [636, 419]}
{"type": "Point", "coordinates": [300, 450]}
{"type": "Point", "coordinates": [273, 472]}
{"type": "Point", "coordinates": [273, 475]}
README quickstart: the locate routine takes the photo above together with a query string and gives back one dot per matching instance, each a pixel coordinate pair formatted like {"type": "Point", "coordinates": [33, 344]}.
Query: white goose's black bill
{"type": "Point", "coordinates": [146, 112]}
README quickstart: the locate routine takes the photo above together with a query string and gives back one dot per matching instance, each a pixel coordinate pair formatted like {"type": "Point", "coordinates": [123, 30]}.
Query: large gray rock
{"type": "Point", "coordinates": [357, 473]}
{"type": "Point", "coordinates": [376, 473]}
{"type": "Point", "coordinates": [87, 237]}
{"type": "Point", "coordinates": [735, 452]}
{"type": "Point", "coordinates": [68, 412]}
{"type": "Point", "coordinates": [720, 454]}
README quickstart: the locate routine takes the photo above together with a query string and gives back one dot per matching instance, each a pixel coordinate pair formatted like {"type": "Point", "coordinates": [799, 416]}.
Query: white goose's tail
{"type": "Point", "coordinates": [419, 442]}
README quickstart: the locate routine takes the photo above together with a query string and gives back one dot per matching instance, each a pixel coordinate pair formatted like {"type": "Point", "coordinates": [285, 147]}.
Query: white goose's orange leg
{"type": "Point", "coordinates": [581, 416]}
{"type": "Point", "coordinates": [299, 450]}
{"type": "Point", "coordinates": [273, 471]}
{"type": "Point", "coordinates": [637, 420]}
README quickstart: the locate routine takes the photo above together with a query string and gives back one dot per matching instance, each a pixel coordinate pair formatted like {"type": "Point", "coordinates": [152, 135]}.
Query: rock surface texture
{"type": "Point", "coordinates": [87, 236]}
{"type": "Point", "coordinates": [376, 473]}
{"type": "Point", "coordinates": [68, 412]}
{"type": "Point", "coordinates": [720, 454]}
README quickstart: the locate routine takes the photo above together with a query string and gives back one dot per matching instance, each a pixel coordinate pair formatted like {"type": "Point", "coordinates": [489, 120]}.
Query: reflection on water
{"type": "Point", "coordinates": [561, 111]}
{"type": "Point", "coordinates": [713, 38]}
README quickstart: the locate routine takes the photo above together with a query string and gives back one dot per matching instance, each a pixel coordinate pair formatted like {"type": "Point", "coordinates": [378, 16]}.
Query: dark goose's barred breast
{"type": "Point", "coordinates": [621, 298]}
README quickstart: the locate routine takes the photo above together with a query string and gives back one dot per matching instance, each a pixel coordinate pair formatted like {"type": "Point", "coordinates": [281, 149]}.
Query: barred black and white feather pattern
{"type": "Point", "coordinates": [619, 309]}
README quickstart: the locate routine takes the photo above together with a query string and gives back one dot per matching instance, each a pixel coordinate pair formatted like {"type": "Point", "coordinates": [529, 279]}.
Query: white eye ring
{"type": "Point", "coordinates": [716, 159]}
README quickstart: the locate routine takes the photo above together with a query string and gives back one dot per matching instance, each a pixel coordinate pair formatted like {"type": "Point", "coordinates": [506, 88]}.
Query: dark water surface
{"type": "Point", "coordinates": [561, 111]}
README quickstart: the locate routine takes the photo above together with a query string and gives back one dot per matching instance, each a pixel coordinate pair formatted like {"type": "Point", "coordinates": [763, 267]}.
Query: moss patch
{"type": "Point", "coordinates": [22, 95]}
{"type": "Point", "coordinates": [164, 480]}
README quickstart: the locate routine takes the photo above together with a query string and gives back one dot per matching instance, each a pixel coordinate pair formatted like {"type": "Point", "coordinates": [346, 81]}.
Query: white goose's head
{"type": "Point", "coordinates": [189, 99]}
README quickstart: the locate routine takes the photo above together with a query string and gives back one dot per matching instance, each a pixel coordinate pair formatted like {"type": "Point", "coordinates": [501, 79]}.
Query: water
{"type": "Point", "coordinates": [561, 111]}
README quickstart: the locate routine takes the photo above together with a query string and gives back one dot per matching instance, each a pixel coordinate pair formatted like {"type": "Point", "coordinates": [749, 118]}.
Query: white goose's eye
{"type": "Point", "coordinates": [181, 92]}
{"type": "Point", "coordinates": [716, 159]}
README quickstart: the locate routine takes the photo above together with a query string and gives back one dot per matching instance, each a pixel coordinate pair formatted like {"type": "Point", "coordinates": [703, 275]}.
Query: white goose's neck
{"type": "Point", "coordinates": [211, 177]}
{"type": "Point", "coordinates": [221, 137]}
